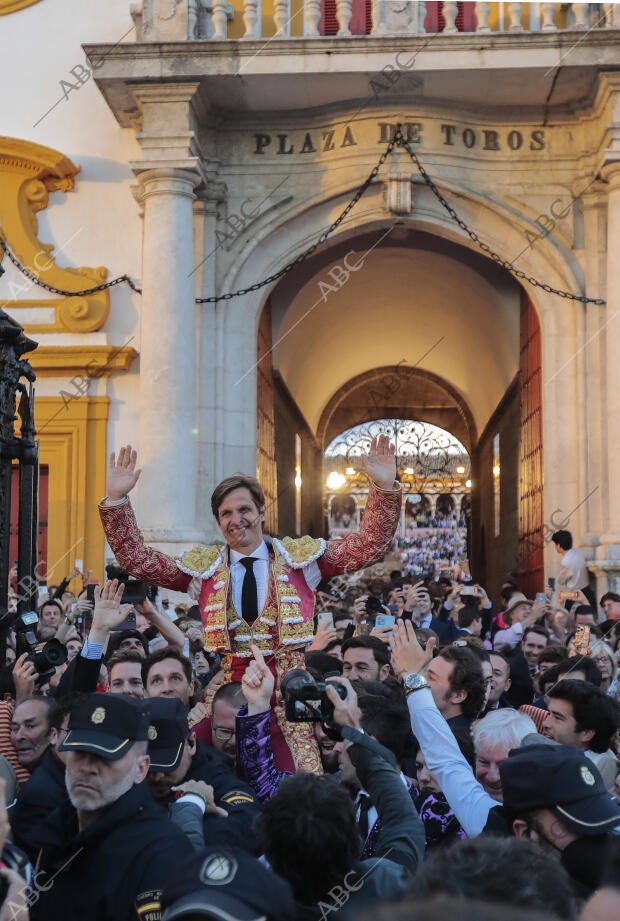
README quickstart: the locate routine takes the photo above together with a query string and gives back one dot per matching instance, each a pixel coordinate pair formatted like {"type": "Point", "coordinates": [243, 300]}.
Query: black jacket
{"type": "Point", "coordinates": [400, 845]}
{"type": "Point", "coordinates": [583, 859]}
{"type": "Point", "coordinates": [37, 798]}
{"type": "Point", "coordinates": [115, 866]}
{"type": "Point", "coordinates": [81, 675]}
{"type": "Point", "coordinates": [232, 794]}
{"type": "Point", "coordinates": [521, 690]}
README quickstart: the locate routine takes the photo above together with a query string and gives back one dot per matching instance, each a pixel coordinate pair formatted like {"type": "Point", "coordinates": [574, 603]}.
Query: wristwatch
{"type": "Point", "coordinates": [414, 682]}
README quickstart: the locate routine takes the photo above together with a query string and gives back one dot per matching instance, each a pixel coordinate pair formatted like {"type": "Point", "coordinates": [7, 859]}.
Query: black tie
{"type": "Point", "coordinates": [249, 595]}
{"type": "Point", "coordinates": [365, 805]}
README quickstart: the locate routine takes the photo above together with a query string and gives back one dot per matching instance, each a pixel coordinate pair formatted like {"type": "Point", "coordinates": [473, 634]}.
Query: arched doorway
{"type": "Point", "coordinates": [434, 470]}
{"type": "Point", "coordinates": [431, 332]}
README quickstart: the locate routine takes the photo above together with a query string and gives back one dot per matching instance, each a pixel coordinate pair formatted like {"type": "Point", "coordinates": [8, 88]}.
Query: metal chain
{"type": "Point", "coordinates": [326, 233]}
{"type": "Point", "coordinates": [397, 141]}
{"type": "Point", "coordinates": [37, 281]}
{"type": "Point", "coordinates": [400, 141]}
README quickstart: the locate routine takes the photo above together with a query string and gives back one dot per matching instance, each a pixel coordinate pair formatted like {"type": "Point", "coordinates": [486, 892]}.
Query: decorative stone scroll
{"type": "Point", "coordinates": [28, 174]}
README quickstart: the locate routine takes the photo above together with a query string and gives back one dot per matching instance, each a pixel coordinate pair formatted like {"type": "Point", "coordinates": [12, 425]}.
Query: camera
{"type": "Point", "coordinates": [373, 605]}
{"type": "Point", "coordinates": [44, 656]}
{"type": "Point", "coordinates": [135, 590]}
{"type": "Point", "coordinates": [306, 700]}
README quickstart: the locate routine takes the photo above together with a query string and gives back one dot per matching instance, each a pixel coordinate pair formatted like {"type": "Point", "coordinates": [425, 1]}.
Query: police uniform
{"type": "Point", "coordinates": [169, 731]}
{"type": "Point", "coordinates": [115, 868]}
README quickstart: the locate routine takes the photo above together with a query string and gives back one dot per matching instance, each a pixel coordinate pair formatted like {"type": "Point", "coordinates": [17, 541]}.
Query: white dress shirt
{"type": "Point", "coordinates": [261, 574]}
{"type": "Point", "coordinates": [312, 575]}
{"type": "Point", "coordinates": [470, 802]}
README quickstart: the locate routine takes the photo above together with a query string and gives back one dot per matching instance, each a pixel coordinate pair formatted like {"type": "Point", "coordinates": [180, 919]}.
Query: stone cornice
{"type": "Point", "coordinates": [88, 360]}
{"type": "Point", "coordinates": [360, 58]}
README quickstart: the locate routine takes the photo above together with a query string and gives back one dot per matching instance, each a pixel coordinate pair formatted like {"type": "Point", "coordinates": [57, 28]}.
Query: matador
{"type": "Point", "coordinates": [254, 589]}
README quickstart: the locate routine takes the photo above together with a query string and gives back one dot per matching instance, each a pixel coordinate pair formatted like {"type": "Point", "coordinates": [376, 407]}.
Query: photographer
{"type": "Point", "coordinates": [309, 832]}
{"type": "Point", "coordinates": [443, 623]}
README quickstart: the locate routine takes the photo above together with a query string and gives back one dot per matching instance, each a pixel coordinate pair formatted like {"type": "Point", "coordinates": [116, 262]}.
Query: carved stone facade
{"type": "Point", "coordinates": [243, 148]}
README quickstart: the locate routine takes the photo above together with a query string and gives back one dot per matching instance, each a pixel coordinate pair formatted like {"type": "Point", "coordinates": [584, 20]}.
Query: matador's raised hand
{"type": "Point", "coordinates": [122, 473]}
{"type": "Point", "coordinates": [380, 462]}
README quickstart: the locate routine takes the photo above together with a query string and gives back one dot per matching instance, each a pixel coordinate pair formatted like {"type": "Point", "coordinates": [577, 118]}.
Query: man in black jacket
{"type": "Point", "coordinates": [108, 854]}
{"type": "Point", "coordinates": [181, 765]}
{"type": "Point", "coordinates": [44, 791]}
{"type": "Point", "coordinates": [309, 832]}
{"type": "Point", "coordinates": [524, 665]}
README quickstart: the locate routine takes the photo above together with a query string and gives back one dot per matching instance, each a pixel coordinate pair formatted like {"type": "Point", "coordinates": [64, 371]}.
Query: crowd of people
{"type": "Point", "coordinates": [293, 747]}
{"type": "Point", "coordinates": [430, 551]}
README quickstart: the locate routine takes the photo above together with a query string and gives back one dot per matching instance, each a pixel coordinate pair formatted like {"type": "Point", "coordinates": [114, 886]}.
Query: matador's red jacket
{"type": "Point", "coordinates": [286, 620]}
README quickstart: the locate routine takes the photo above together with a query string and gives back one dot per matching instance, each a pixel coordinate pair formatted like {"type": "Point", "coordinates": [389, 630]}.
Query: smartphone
{"type": "Point", "coordinates": [155, 643]}
{"type": "Point", "coordinates": [385, 620]}
{"type": "Point", "coordinates": [551, 583]}
{"type": "Point", "coordinates": [90, 592]}
{"type": "Point", "coordinates": [325, 619]}
{"type": "Point", "coordinates": [78, 565]}
{"type": "Point", "coordinates": [541, 598]}
{"type": "Point", "coordinates": [128, 624]}
{"type": "Point", "coordinates": [582, 640]}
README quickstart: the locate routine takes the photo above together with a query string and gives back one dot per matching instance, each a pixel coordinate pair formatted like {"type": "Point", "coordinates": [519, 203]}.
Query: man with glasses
{"type": "Point", "coordinates": [227, 702]}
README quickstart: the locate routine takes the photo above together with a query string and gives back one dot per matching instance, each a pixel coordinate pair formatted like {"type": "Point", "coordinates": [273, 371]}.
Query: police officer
{"type": "Point", "coordinates": [108, 853]}
{"type": "Point", "coordinates": [184, 773]}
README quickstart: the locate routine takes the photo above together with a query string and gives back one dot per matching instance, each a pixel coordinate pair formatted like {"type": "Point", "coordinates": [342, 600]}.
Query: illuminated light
{"type": "Point", "coordinates": [409, 471]}
{"type": "Point", "coordinates": [194, 431]}
{"type": "Point", "coordinates": [335, 480]}
{"type": "Point", "coordinates": [460, 469]}
{"type": "Point", "coordinates": [350, 471]}
{"type": "Point", "coordinates": [298, 480]}
{"type": "Point", "coordinates": [496, 470]}
{"type": "Point", "coordinates": [468, 484]}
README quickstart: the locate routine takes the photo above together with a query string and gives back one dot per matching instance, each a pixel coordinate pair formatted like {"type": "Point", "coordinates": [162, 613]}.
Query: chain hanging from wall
{"type": "Point", "coordinates": [397, 141]}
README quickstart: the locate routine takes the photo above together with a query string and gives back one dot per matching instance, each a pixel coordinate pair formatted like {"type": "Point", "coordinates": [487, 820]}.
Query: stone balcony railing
{"type": "Point", "coordinates": [217, 20]}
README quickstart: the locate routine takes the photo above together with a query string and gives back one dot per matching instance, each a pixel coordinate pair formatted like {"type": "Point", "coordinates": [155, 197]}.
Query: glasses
{"type": "Point", "coordinates": [222, 733]}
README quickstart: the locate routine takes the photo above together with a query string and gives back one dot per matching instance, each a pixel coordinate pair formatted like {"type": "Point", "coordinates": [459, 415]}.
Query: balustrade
{"type": "Point", "coordinates": [209, 19]}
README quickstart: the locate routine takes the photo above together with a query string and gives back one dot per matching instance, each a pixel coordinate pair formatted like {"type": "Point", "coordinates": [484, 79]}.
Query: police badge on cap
{"type": "Point", "coordinates": [106, 725]}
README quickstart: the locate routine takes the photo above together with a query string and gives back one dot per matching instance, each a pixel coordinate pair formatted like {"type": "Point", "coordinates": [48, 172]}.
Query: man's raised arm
{"type": "Point", "coordinates": [468, 799]}
{"type": "Point", "coordinates": [123, 534]}
{"type": "Point", "coordinates": [380, 519]}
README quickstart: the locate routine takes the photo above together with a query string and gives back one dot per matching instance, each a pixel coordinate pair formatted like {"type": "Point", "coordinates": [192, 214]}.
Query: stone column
{"type": "Point", "coordinates": [612, 335]}
{"type": "Point", "coordinates": [167, 491]}
{"type": "Point", "coordinates": [209, 352]}
{"type": "Point", "coordinates": [237, 379]}
{"type": "Point", "coordinates": [593, 511]}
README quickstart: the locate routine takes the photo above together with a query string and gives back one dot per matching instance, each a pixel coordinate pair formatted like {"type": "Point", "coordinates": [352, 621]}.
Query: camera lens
{"type": "Point", "coordinates": [54, 653]}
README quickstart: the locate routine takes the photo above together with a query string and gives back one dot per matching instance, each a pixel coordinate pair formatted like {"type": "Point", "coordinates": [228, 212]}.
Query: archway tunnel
{"type": "Point", "coordinates": [412, 327]}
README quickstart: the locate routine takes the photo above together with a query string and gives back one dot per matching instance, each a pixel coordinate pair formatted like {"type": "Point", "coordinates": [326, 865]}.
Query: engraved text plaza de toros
{"type": "Point", "coordinates": [322, 140]}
